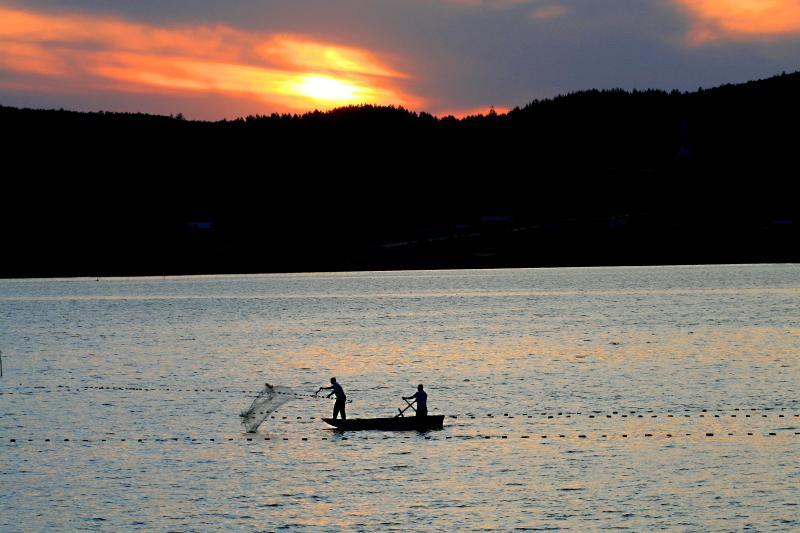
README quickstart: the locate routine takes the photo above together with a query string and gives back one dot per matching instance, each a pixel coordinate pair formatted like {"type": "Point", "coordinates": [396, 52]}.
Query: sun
{"type": "Point", "coordinates": [329, 89]}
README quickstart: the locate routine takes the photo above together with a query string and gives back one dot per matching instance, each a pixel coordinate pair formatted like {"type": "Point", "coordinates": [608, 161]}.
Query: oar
{"type": "Point", "coordinates": [410, 404]}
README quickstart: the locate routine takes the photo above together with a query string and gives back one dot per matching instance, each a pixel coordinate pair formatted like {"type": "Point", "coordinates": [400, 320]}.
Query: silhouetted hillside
{"type": "Point", "coordinates": [594, 177]}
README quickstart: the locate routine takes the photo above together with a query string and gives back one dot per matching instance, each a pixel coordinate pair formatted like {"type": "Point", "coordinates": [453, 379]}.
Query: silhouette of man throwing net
{"type": "Point", "coordinates": [341, 398]}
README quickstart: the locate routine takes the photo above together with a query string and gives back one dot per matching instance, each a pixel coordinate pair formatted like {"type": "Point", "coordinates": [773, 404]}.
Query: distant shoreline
{"type": "Point", "coordinates": [80, 277]}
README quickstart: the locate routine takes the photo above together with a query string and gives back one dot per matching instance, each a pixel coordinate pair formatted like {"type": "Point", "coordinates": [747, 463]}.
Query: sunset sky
{"type": "Point", "coordinates": [210, 59]}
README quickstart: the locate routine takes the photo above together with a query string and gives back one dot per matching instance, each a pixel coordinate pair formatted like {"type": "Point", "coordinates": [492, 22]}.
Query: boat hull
{"type": "Point", "coordinates": [410, 423]}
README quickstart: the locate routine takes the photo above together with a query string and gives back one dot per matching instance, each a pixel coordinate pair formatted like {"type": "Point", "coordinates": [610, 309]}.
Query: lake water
{"type": "Point", "coordinates": [586, 399]}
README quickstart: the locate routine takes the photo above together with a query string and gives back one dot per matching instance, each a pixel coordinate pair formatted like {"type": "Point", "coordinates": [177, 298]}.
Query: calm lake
{"type": "Point", "coordinates": [584, 398]}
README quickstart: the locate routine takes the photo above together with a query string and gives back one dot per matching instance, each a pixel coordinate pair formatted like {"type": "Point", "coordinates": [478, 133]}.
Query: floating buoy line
{"type": "Point", "coordinates": [66, 388]}
{"type": "Point", "coordinates": [726, 412]}
{"type": "Point", "coordinates": [438, 436]}
{"type": "Point", "coordinates": [740, 413]}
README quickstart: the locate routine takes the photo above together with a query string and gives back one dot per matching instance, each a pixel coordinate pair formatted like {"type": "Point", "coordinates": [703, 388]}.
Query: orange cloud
{"type": "Point", "coordinates": [315, 56]}
{"type": "Point", "coordinates": [549, 12]}
{"type": "Point", "coordinates": [741, 19]}
{"type": "Point", "coordinates": [284, 72]}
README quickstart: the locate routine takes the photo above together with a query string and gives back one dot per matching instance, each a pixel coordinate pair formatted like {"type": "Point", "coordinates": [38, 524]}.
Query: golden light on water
{"type": "Point", "coordinates": [279, 72]}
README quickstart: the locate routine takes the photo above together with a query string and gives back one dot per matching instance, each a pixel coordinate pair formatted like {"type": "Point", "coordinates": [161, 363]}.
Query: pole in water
{"type": "Point", "coordinates": [1, 363]}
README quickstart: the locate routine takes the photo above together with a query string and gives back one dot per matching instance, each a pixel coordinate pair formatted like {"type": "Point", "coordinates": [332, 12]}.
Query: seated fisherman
{"type": "Point", "coordinates": [422, 400]}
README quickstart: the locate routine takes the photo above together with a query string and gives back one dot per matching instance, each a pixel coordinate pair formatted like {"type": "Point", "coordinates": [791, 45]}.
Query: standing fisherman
{"type": "Point", "coordinates": [336, 389]}
{"type": "Point", "coordinates": [422, 400]}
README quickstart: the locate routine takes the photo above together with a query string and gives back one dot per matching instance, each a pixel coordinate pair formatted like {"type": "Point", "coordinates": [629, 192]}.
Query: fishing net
{"type": "Point", "coordinates": [267, 401]}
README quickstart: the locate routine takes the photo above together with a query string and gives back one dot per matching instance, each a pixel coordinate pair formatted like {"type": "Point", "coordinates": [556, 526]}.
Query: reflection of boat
{"type": "Point", "coordinates": [398, 423]}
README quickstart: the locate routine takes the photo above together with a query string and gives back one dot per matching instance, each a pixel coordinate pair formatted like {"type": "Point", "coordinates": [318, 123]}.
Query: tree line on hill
{"type": "Point", "coordinates": [592, 177]}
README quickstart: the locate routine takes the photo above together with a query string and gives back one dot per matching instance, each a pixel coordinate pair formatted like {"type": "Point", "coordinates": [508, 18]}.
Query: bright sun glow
{"type": "Point", "coordinates": [328, 89]}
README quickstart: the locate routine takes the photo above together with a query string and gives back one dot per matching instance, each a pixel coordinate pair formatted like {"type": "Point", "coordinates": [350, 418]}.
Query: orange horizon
{"type": "Point", "coordinates": [74, 53]}
{"type": "Point", "coordinates": [286, 71]}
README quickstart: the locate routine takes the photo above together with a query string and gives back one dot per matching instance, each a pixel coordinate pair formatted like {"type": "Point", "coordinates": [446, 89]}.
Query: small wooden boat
{"type": "Point", "coordinates": [398, 423]}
